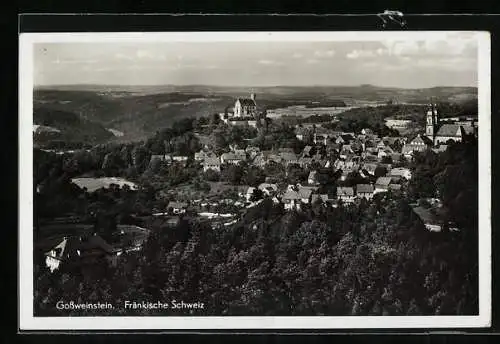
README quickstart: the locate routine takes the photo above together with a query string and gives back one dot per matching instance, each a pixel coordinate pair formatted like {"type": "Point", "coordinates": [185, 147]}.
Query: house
{"type": "Point", "coordinates": [305, 162]}
{"type": "Point", "coordinates": [345, 194]}
{"type": "Point", "coordinates": [211, 164]}
{"type": "Point", "coordinates": [369, 167]}
{"type": "Point", "coordinates": [245, 107]}
{"type": "Point", "coordinates": [295, 196]}
{"type": "Point", "coordinates": [312, 179]}
{"type": "Point", "coordinates": [301, 133]}
{"type": "Point", "coordinates": [366, 131]}
{"type": "Point", "coordinates": [78, 250]}
{"type": "Point", "coordinates": [387, 151]}
{"type": "Point", "coordinates": [252, 151]}
{"type": "Point", "coordinates": [382, 184]}
{"type": "Point", "coordinates": [427, 217]}
{"type": "Point", "coordinates": [396, 157]}
{"type": "Point", "coordinates": [346, 151]}
{"type": "Point", "coordinates": [289, 158]}
{"type": "Point", "coordinates": [394, 187]}
{"type": "Point", "coordinates": [401, 172]}
{"type": "Point", "coordinates": [161, 157]}
{"type": "Point", "coordinates": [364, 191]}
{"type": "Point", "coordinates": [180, 158]}
{"type": "Point", "coordinates": [177, 207]}
{"type": "Point", "coordinates": [325, 198]}
{"type": "Point", "coordinates": [232, 158]}
{"type": "Point", "coordinates": [418, 144]}
{"type": "Point", "coordinates": [200, 156]}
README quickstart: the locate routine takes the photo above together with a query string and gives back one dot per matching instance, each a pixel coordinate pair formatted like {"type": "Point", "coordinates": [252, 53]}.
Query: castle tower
{"type": "Point", "coordinates": [252, 96]}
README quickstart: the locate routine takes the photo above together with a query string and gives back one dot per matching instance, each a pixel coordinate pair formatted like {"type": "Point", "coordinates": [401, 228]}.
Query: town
{"type": "Point", "coordinates": [362, 164]}
{"type": "Point", "coordinates": [215, 170]}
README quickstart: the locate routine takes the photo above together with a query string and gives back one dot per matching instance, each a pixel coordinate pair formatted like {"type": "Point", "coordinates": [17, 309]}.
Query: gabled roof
{"type": "Point", "coordinates": [177, 205]}
{"type": "Point", "coordinates": [449, 130]}
{"type": "Point", "coordinates": [383, 181]}
{"type": "Point", "coordinates": [394, 186]}
{"type": "Point", "coordinates": [211, 161]}
{"type": "Point", "coordinates": [364, 188]}
{"type": "Point", "coordinates": [287, 156]}
{"type": "Point", "coordinates": [421, 139]}
{"type": "Point", "coordinates": [345, 191]}
{"type": "Point", "coordinates": [300, 193]}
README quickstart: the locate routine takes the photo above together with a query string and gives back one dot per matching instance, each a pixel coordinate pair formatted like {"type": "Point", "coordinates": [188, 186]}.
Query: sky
{"type": "Point", "coordinates": [408, 63]}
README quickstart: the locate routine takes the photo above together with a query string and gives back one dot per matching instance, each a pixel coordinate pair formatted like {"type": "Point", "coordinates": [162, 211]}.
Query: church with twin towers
{"type": "Point", "coordinates": [441, 130]}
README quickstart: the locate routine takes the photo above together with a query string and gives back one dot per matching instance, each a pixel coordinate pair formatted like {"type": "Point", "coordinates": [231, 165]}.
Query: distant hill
{"type": "Point", "coordinates": [139, 111]}
{"type": "Point", "coordinates": [69, 126]}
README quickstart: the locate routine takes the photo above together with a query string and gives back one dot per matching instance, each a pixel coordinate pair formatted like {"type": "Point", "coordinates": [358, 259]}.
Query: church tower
{"type": "Point", "coordinates": [431, 122]}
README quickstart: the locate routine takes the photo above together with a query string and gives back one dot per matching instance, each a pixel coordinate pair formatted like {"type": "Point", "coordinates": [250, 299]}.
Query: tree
{"type": "Point", "coordinates": [257, 194]}
{"type": "Point", "coordinates": [380, 171]}
{"type": "Point", "coordinates": [211, 175]}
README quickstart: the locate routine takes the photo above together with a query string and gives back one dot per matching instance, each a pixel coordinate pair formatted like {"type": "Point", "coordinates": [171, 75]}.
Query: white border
{"type": "Point", "coordinates": [28, 322]}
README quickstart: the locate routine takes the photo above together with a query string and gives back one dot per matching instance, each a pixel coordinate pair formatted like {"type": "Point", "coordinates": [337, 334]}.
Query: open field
{"type": "Point", "coordinates": [93, 184]}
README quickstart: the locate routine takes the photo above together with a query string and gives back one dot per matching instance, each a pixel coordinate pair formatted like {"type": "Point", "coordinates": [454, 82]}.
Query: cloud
{"type": "Point", "coordinates": [327, 53]}
{"type": "Point", "coordinates": [366, 53]}
{"type": "Point", "coordinates": [297, 55]}
{"type": "Point", "coordinates": [74, 61]}
{"type": "Point", "coordinates": [312, 61]}
{"type": "Point", "coordinates": [269, 62]}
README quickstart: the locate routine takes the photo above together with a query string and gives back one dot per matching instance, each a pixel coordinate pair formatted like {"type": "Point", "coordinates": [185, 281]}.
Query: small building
{"type": "Point", "coordinates": [177, 207]}
{"type": "Point", "coordinates": [79, 250]}
{"type": "Point", "coordinates": [345, 194]}
{"type": "Point", "coordinates": [382, 184]}
{"type": "Point", "coordinates": [289, 158]}
{"type": "Point", "coordinates": [180, 158]}
{"type": "Point", "coordinates": [232, 158]}
{"type": "Point", "coordinates": [325, 198]}
{"type": "Point", "coordinates": [364, 191]}
{"type": "Point", "coordinates": [295, 196]}
{"type": "Point", "coordinates": [211, 164]}
{"type": "Point", "coordinates": [401, 172]}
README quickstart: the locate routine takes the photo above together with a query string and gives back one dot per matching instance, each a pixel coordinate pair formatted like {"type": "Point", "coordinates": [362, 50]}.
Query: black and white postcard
{"type": "Point", "coordinates": [254, 180]}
